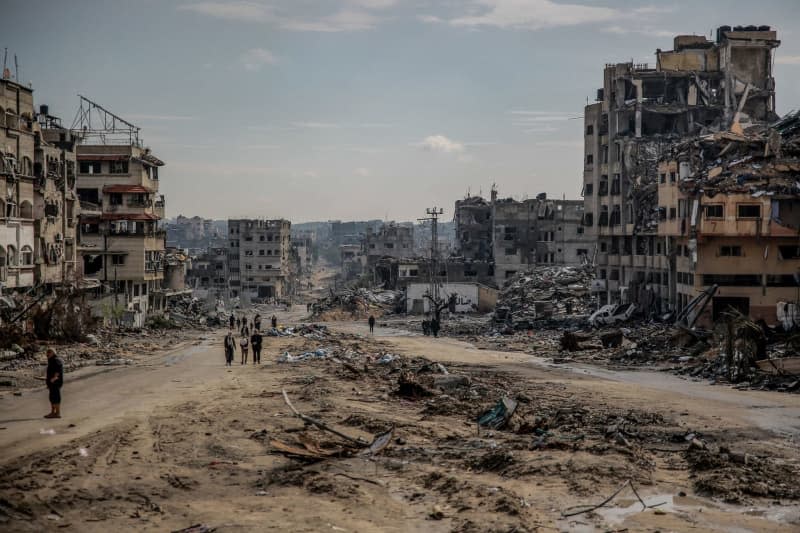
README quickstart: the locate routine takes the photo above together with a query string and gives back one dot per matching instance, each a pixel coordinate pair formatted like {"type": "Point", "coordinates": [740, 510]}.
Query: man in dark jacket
{"type": "Point", "coordinates": [230, 348]}
{"type": "Point", "coordinates": [255, 340]}
{"type": "Point", "coordinates": [54, 380]}
{"type": "Point", "coordinates": [274, 321]}
{"type": "Point", "coordinates": [371, 324]}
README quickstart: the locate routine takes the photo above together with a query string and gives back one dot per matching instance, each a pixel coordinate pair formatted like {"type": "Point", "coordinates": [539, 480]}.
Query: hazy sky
{"type": "Point", "coordinates": [357, 109]}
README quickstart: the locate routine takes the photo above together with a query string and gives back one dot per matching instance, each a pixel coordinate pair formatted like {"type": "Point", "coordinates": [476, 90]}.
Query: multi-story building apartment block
{"type": "Point", "coordinates": [259, 258]}
{"type": "Point", "coordinates": [38, 204]}
{"type": "Point", "coordinates": [699, 87]}
{"type": "Point", "coordinates": [17, 145]}
{"type": "Point", "coordinates": [56, 206]}
{"type": "Point", "coordinates": [122, 242]}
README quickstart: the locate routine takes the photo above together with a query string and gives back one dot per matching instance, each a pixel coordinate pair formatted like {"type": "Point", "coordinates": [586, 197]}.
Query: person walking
{"type": "Point", "coordinates": [238, 323]}
{"type": "Point", "coordinates": [232, 321]}
{"type": "Point", "coordinates": [257, 323]}
{"type": "Point", "coordinates": [426, 326]}
{"type": "Point", "coordinates": [243, 344]}
{"type": "Point", "coordinates": [371, 324]}
{"type": "Point", "coordinates": [54, 380]}
{"type": "Point", "coordinates": [230, 348]}
{"type": "Point", "coordinates": [435, 327]}
{"type": "Point", "coordinates": [274, 321]}
{"type": "Point", "coordinates": [255, 340]}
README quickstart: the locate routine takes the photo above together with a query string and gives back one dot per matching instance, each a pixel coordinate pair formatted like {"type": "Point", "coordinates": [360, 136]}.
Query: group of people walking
{"type": "Point", "coordinates": [249, 336]}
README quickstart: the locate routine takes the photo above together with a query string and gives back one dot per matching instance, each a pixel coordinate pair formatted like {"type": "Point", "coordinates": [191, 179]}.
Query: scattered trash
{"type": "Point", "coordinates": [498, 416]}
{"type": "Point", "coordinates": [47, 431]}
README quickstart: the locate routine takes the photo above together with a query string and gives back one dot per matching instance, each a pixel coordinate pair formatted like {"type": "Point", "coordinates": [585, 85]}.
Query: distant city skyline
{"type": "Point", "coordinates": [357, 109]}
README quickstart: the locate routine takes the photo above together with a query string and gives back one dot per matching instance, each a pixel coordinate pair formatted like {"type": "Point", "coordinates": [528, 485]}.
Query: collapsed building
{"type": "Point", "coordinates": [516, 235]}
{"type": "Point", "coordinates": [259, 258]}
{"type": "Point", "coordinates": [697, 88]}
{"type": "Point", "coordinates": [195, 234]}
{"type": "Point", "coordinates": [302, 252]}
{"type": "Point", "coordinates": [729, 211]}
{"type": "Point", "coordinates": [388, 240]}
{"type": "Point", "coordinates": [207, 274]}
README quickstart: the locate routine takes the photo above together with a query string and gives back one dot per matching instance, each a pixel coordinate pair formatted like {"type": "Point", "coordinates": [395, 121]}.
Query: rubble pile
{"type": "Point", "coordinates": [186, 311]}
{"type": "Point", "coordinates": [543, 293]}
{"type": "Point", "coordinates": [356, 303]}
{"type": "Point", "coordinates": [761, 160]}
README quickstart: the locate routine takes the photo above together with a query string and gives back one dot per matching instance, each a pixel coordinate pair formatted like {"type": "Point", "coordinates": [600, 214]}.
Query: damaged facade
{"type": "Point", "coordinates": [122, 242]}
{"type": "Point", "coordinates": [38, 203]}
{"type": "Point", "coordinates": [516, 235]}
{"type": "Point", "coordinates": [388, 240]}
{"type": "Point", "coordinates": [731, 218]}
{"type": "Point", "coordinates": [699, 87]}
{"type": "Point", "coordinates": [259, 258]}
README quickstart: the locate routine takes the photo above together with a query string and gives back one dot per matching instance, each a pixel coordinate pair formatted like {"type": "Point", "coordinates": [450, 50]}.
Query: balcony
{"type": "Point", "coordinates": [90, 208]}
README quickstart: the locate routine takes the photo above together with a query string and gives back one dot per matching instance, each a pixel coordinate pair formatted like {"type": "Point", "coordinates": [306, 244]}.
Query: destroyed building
{"type": "Point", "coordinates": [38, 204]}
{"type": "Point", "coordinates": [352, 261]}
{"type": "Point", "coordinates": [302, 252]}
{"type": "Point", "coordinates": [700, 86]}
{"type": "Point", "coordinates": [729, 206]}
{"type": "Point", "coordinates": [388, 240]}
{"type": "Point", "coordinates": [536, 232]}
{"type": "Point", "coordinates": [259, 258]}
{"type": "Point", "coordinates": [515, 235]}
{"type": "Point", "coordinates": [473, 219]}
{"type": "Point", "coordinates": [207, 274]}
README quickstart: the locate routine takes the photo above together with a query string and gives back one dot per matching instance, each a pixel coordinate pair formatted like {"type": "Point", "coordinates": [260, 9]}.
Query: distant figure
{"type": "Point", "coordinates": [274, 321]}
{"type": "Point", "coordinates": [257, 323]}
{"type": "Point", "coordinates": [371, 324]}
{"type": "Point", "coordinates": [426, 326]}
{"type": "Point", "coordinates": [238, 323]}
{"type": "Point", "coordinates": [232, 321]}
{"type": "Point", "coordinates": [243, 344]}
{"type": "Point", "coordinates": [54, 380]}
{"type": "Point", "coordinates": [255, 340]}
{"type": "Point", "coordinates": [435, 327]}
{"type": "Point", "coordinates": [230, 348]}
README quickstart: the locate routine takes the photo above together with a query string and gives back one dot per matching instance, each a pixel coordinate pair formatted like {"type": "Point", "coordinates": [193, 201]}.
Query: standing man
{"type": "Point", "coordinates": [232, 321]}
{"type": "Point", "coordinates": [54, 380]}
{"type": "Point", "coordinates": [230, 348]}
{"type": "Point", "coordinates": [371, 324]}
{"type": "Point", "coordinates": [435, 327]}
{"type": "Point", "coordinates": [257, 322]}
{"type": "Point", "coordinates": [255, 340]}
{"type": "Point", "coordinates": [274, 321]}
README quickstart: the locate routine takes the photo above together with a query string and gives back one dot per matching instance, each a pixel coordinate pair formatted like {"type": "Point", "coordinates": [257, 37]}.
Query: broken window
{"type": "Point", "coordinates": [604, 153]}
{"type": "Point", "coordinates": [673, 212]}
{"type": "Point", "coordinates": [603, 220]}
{"type": "Point", "coordinates": [511, 251]}
{"type": "Point", "coordinates": [579, 230]}
{"type": "Point", "coordinates": [115, 198]}
{"type": "Point", "coordinates": [713, 211]}
{"type": "Point", "coordinates": [509, 233]}
{"type": "Point", "coordinates": [732, 280]}
{"type": "Point", "coordinates": [589, 159]}
{"type": "Point", "coordinates": [782, 280]}
{"type": "Point", "coordinates": [730, 251]}
{"type": "Point", "coordinates": [662, 178]}
{"type": "Point", "coordinates": [588, 219]}
{"type": "Point", "coordinates": [602, 189]}
{"type": "Point", "coordinates": [590, 129]}
{"type": "Point", "coordinates": [603, 247]}
{"type": "Point", "coordinates": [614, 275]}
{"type": "Point", "coordinates": [118, 167]}
{"type": "Point", "coordinates": [748, 210]}
{"type": "Point", "coordinates": [588, 189]}
{"type": "Point", "coordinates": [615, 185]}
{"type": "Point", "coordinates": [789, 252]}
{"type": "Point", "coordinates": [672, 177]}
{"type": "Point", "coordinates": [90, 167]}
{"type": "Point", "coordinates": [616, 216]}
{"type": "Point", "coordinates": [117, 260]}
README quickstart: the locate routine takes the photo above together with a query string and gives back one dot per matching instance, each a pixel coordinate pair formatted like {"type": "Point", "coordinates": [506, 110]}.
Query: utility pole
{"type": "Point", "coordinates": [433, 217]}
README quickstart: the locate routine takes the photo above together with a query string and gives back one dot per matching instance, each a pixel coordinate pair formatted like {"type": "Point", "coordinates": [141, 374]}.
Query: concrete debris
{"type": "Point", "coordinates": [545, 293]}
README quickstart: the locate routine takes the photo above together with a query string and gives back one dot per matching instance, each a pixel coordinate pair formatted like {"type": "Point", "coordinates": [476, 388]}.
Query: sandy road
{"type": "Point", "coordinates": [97, 397]}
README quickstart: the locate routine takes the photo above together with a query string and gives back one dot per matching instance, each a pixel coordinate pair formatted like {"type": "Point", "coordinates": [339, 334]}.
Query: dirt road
{"type": "Point", "coordinates": [181, 440]}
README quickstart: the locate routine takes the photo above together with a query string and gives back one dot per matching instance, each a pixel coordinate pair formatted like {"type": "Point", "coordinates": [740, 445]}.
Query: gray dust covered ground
{"type": "Point", "coordinates": [177, 439]}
